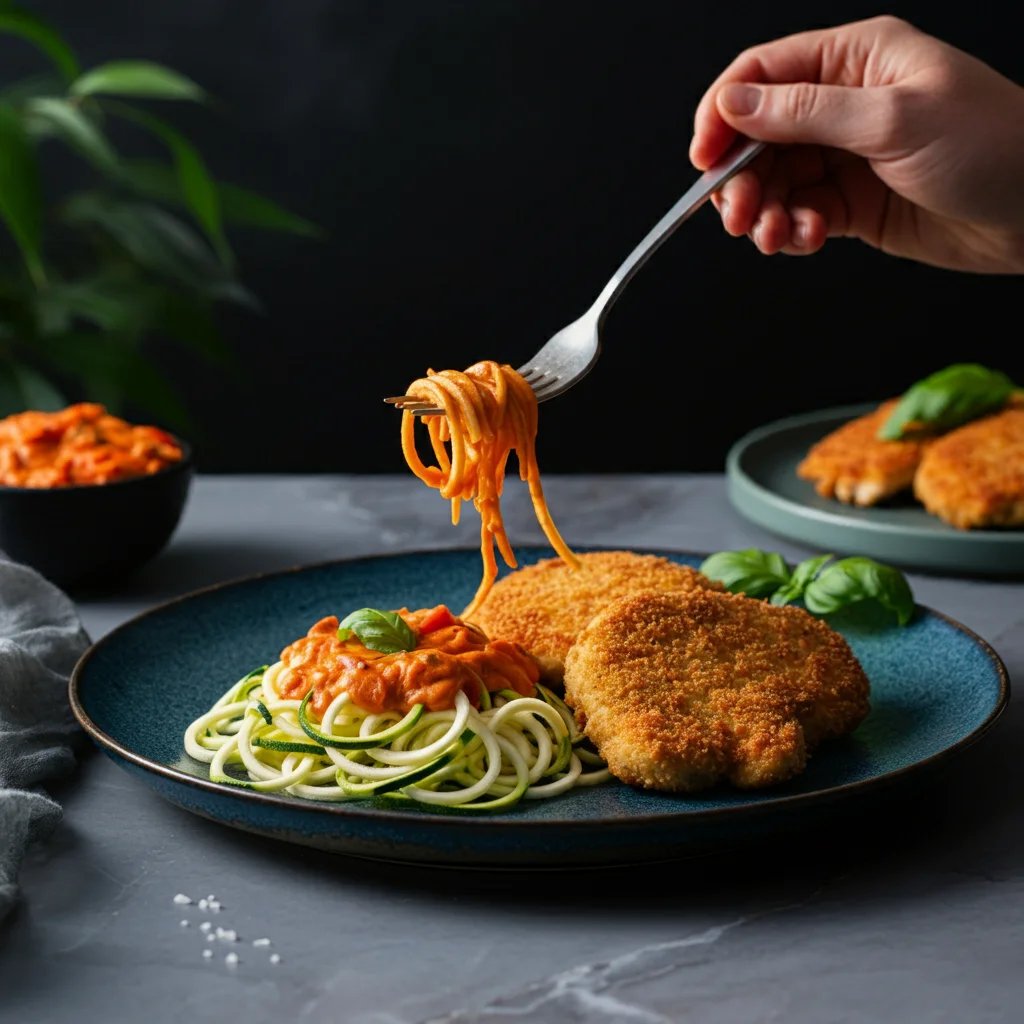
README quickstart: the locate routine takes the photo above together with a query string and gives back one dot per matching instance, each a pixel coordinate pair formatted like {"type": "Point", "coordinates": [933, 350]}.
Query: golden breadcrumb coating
{"type": "Point", "coordinates": [974, 476]}
{"type": "Point", "coordinates": [681, 691]}
{"type": "Point", "coordinates": [544, 606]}
{"type": "Point", "coordinates": [854, 466]}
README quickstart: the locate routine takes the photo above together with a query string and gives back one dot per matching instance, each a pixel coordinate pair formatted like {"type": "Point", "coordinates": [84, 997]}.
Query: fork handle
{"type": "Point", "coordinates": [738, 156]}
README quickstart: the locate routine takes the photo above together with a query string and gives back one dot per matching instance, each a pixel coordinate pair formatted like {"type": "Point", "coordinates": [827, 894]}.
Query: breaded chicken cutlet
{"type": "Point", "coordinates": [854, 465]}
{"type": "Point", "coordinates": [680, 691]}
{"type": "Point", "coordinates": [974, 476]}
{"type": "Point", "coordinates": [544, 606]}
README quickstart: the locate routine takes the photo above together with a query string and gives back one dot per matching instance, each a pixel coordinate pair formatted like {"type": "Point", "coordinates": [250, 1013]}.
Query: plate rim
{"type": "Point", "coordinates": [737, 475]}
{"type": "Point", "coordinates": [347, 810]}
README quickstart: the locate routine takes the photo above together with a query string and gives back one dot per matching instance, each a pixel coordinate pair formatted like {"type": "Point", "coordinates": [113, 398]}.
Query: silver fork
{"type": "Point", "coordinates": [569, 355]}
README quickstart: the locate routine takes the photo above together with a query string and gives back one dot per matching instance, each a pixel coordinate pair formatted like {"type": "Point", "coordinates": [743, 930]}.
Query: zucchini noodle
{"type": "Point", "coordinates": [488, 411]}
{"type": "Point", "coordinates": [514, 748]}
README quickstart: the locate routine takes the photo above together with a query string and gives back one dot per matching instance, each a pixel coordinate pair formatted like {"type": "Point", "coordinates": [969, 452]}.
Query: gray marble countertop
{"type": "Point", "coordinates": [912, 914]}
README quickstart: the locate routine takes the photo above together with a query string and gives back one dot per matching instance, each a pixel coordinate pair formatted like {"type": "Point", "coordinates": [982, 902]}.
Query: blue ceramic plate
{"type": "Point", "coordinates": [764, 487]}
{"type": "Point", "coordinates": [936, 687]}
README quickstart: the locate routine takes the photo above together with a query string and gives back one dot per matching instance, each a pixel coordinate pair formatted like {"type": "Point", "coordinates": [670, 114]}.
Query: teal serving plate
{"type": "Point", "coordinates": [764, 488]}
{"type": "Point", "coordinates": [936, 688]}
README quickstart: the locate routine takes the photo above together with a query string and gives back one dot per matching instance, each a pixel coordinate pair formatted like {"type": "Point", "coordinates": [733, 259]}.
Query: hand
{"type": "Point", "coordinates": [885, 134]}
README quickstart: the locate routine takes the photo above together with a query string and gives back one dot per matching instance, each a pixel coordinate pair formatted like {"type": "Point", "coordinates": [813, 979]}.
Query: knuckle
{"type": "Point", "coordinates": [891, 26]}
{"type": "Point", "coordinates": [894, 118]}
{"type": "Point", "coordinates": [801, 101]}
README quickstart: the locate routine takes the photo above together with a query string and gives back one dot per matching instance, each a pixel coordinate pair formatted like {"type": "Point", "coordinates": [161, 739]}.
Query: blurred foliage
{"type": "Point", "coordinates": [141, 252]}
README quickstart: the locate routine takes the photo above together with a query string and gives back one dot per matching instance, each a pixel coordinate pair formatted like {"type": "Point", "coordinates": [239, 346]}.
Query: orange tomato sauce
{"type": "Point", "coordinates": [82, 444]}
{"type": "Point", "coordinates": [450, 655]}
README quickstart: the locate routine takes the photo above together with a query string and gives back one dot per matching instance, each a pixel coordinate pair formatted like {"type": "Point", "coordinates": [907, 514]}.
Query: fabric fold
{"type": "Point", "coordinates": [41, 638]}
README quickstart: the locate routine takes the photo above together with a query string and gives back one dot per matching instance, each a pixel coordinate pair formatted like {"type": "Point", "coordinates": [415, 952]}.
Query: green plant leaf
{"type": "Point", "coordinates": [802, 575]}
{"type": "Point", "coordinates": [757, 574]}
{"type": "Point", "coordinates": [71, 123]}
{"type": "Point", "coordinates": [386, 632]}
{"type": "Point", "coordinates": [46, 84]}
{"type": "Point", "coordinates": [38, 392]}
{"type": "Point", "coordinates": [113, 369]}
{"type": "Point", "coordinates": [113, 305]}
{"type": "Point", "coordinates": [851, 580]}
{"type": "Point", "coordinates": [21, 203]}
{"type": "Point", "coordinates": [190, 320]}
{"type": "Point", "coordinates": [237, 205]}
{"type": "Point", "coordinates": [22, 387]}
{"type": "Point", "coordinates": [197, 187]}
{"type": "Point", "coordinates": [159, 242]}
{"type": "Point", "coordinates": [16, 22]}
{"type": "Point", "coordinates": [141, 78]}
{"type": "Point", "coordinates": [947, 399]}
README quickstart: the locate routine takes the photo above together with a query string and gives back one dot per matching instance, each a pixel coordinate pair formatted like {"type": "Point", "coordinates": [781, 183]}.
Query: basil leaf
{"type": "Point", "coordinates": [345, 634]}
{"type": "Point", "coordinates": [386, 632]}
{"type": "Point", "coordinates": [803, 574]}
{"type": "Point", "coordinates": [948, 398]}
{"type": "Point", "coordinates": [750, 571]}
{"type": "Point", "coordinates": [859, 579]}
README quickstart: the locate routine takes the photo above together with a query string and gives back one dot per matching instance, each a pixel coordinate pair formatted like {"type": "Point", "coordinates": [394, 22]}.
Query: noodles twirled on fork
{"type": "Point", "coordinates": [489, 411]}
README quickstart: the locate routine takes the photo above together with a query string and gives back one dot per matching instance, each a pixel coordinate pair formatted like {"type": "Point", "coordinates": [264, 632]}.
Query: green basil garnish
{"type": "Point", "coordinates": [948, 398]}
{"type": "Point", "coordinates": [851, 580]}
{"type": "Point", "coordinates": [803, 574]}
{"type": "Point", "coordinates": [756, 573]}
{"type": "Point", "coordinates": [386, 632]}
{"type": "Point", "coordinates": [823, 588]}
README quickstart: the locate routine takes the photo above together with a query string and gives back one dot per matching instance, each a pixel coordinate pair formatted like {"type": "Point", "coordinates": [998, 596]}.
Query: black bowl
{"type": "Point", "coordinates": [92, 535]}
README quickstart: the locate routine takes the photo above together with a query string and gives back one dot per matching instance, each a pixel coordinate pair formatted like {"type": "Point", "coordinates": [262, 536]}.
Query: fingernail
{"type": "Point", "coordinates": [801, 234]}
{"type": "Point", "coordinates": [740, 99]}
{"type": "Point", "coordinates": [723, 208]}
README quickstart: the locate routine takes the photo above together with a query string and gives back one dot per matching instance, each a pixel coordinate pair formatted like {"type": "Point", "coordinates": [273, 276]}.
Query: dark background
{"type": "Point", "coordinates": [481, 167]}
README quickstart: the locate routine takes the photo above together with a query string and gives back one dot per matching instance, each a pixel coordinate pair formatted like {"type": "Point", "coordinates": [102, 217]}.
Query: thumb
{"type": "Point", "coordinates": [860, 120]}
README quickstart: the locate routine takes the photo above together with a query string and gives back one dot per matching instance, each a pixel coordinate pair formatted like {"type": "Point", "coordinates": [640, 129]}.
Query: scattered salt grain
{"type": "Point", "coordinates": [261, 942]}
{"type": "Point", "coordinates": [181, 899]}
{"type": "Point", "coordinates": [231, 958]}
{"type": "Point", "coordinates": [184, 924]}
{"type": "Point", "coordinates": [214, 906]}
{"type": "Point", "coordinates": [203, 904]}
{"type": "Point", "coordinates": [210, 937]}
{"type": "Point", "coordinates": [211, 898]}
{"type": "Point", "coordinates": [205, 926]}
{"type": "Point", "coordinates": [275, 958]}
{"type": "Point", "coordinates": [207, 954]}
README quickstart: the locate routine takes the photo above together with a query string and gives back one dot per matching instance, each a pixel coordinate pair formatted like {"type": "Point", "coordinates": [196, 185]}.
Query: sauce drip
{"type": "Point", "coordinates": [450, 655]}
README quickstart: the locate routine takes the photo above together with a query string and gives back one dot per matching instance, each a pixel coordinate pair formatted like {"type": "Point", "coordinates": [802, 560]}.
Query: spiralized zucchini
{"type": "Point", "coordinates": [513, 748]}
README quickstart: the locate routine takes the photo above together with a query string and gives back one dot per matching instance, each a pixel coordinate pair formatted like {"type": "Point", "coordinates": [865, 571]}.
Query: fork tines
{"type": "Point", "coordinates": [414, 405]}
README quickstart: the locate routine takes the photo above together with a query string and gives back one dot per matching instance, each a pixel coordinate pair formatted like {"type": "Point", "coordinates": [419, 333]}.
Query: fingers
{"type": "Point", "coordinates": [844, 58]}
{"type": "Point", "coordinates": [755, 201]}
{"type": "Point", "coordinates": [817, 213]}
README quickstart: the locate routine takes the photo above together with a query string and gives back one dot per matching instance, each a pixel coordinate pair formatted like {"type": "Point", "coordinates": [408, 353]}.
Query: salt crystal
{"type": "Point", "coordinates": [211, 937]}
{"type": "Point", "coordinates": [205, 926]}
{"type": "Point", "coordinates": [203, 904]}
{"type": "Point", "coordinates": [231, 958]}
{"type": "Point", "coordinates": [181, 899]}
{"type": "Point", "coordinates": [214, 906]}
{"type": "Point", "coordinates": [275, 958]}
{"type": "Point", "coordinates": [207, 953]}
{"type": "Point", "coordinates": [184, 924]}
{"type": "Point", "coordinates": [261, 942]}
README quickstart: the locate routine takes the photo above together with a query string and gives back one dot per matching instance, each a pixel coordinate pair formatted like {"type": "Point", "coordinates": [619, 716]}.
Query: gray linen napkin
{"type": "Point", "coordinates": [41, 638]}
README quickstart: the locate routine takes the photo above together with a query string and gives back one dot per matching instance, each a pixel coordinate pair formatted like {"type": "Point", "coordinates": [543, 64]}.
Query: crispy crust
{"type": "Point", "coordinates": [681, 691]}
{"type": "Point", "coordinates": [544, 606]}
{"type": "Point", "coordinates": [974, 476]}
{"type": "Point", "coordinates": [854, 466]}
